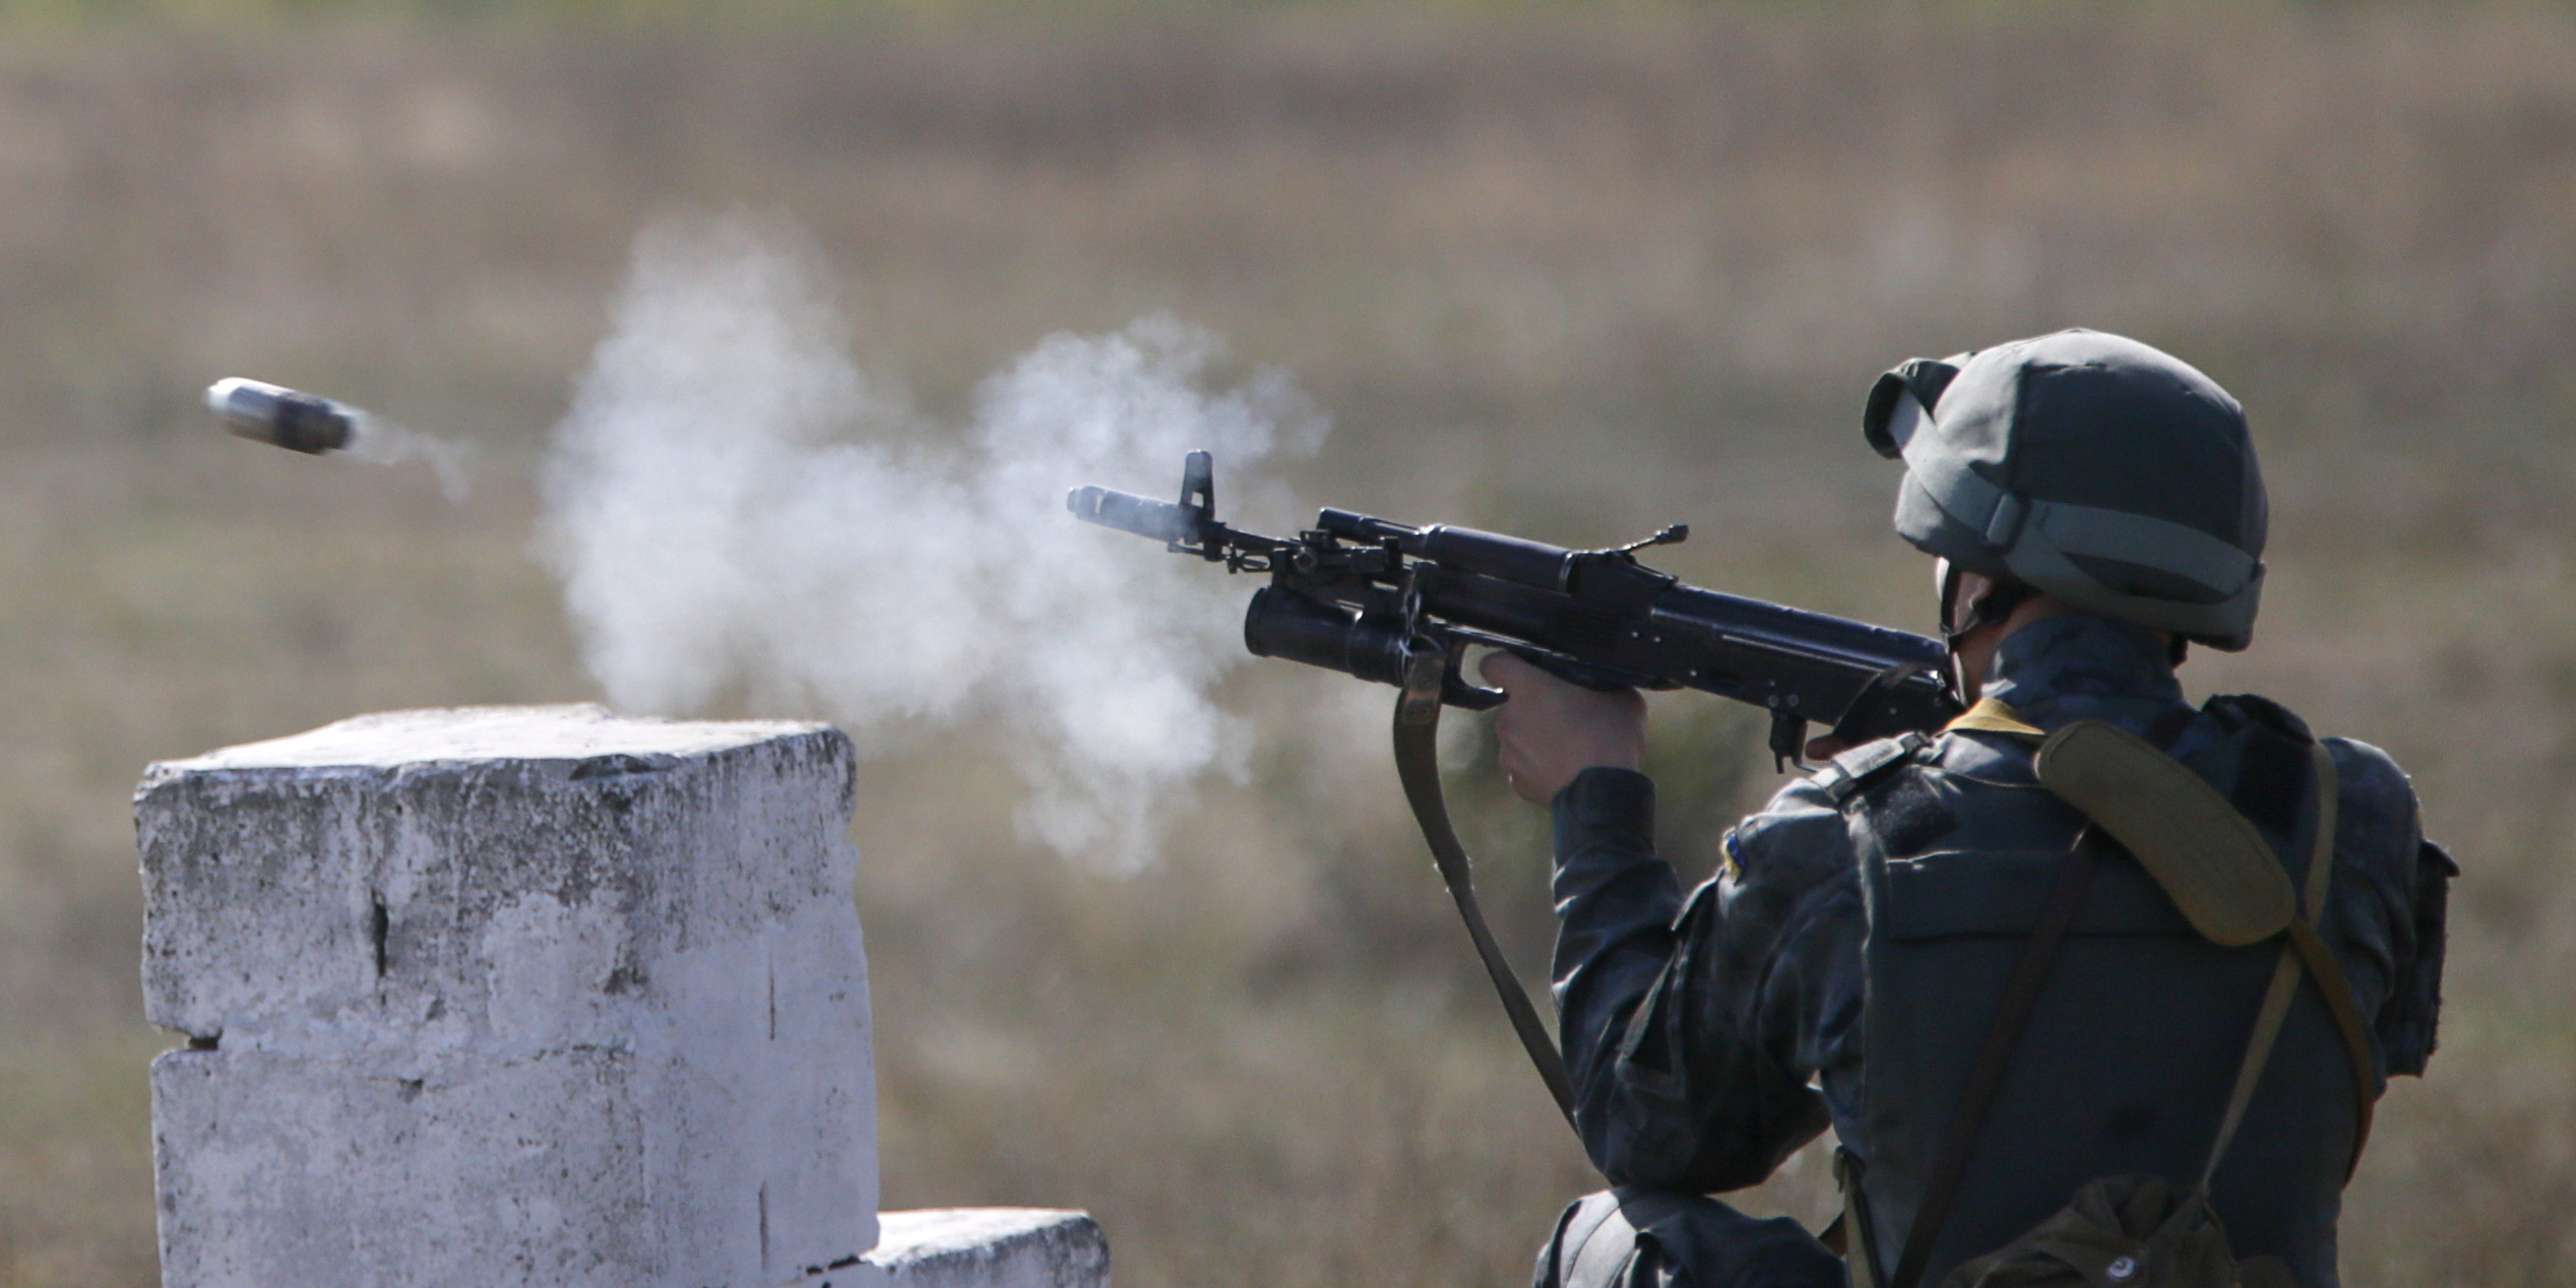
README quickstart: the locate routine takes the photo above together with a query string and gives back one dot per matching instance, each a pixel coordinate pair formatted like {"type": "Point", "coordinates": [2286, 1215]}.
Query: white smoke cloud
{"type": "Point", "coordinates": [731, 503]}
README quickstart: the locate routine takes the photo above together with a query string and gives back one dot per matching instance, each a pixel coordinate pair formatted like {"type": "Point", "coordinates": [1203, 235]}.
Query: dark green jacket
{"type": "Point", "coordinates": [1712, 1038]}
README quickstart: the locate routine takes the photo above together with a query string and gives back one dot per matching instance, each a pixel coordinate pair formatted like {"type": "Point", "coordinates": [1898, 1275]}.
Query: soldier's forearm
{"type": "Point", "coordinates": [1615, 904]}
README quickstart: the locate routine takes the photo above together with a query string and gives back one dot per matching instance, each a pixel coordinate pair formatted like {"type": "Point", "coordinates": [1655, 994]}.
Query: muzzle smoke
{"type": "Point", "coordinates": [378, 441]}
{"type": "Point", "coordinates": [734, 507]}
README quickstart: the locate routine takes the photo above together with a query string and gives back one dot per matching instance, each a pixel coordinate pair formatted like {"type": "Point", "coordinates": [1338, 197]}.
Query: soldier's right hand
{"type": "Point", "coordinates": [1551, 730]}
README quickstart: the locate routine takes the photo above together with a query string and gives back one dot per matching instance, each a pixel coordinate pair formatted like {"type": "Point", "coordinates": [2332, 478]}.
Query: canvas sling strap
{"type": "Point", "coordinates": [1417, 764]}
{"type": "Point", "coordinates": [2217, 869]}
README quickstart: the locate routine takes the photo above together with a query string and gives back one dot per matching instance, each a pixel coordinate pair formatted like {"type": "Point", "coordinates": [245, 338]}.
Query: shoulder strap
{"type": "Point", "coordinates": [2215, 866]}
{"type": "Point", "coordinates": [2218, 870]}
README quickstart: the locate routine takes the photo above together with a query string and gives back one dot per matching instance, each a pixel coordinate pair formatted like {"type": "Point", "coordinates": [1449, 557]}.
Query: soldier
{"type": "Point", "coordinates": [2094, 508]}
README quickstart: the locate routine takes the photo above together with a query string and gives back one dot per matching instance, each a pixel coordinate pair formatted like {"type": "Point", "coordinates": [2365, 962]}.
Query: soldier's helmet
{"type": "Point", "coordinates": [2086, 465]}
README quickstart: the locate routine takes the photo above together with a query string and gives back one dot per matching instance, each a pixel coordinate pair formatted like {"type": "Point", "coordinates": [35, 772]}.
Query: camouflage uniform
{"type": "Point", "coordinates": [1712, 1038]}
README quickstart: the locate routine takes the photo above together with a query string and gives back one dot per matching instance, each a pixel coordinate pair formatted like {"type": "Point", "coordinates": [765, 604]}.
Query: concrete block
{"type": "Point", "coordinates": [509, 996]}
{"type": "Point", "coordinates": [991, 1248]}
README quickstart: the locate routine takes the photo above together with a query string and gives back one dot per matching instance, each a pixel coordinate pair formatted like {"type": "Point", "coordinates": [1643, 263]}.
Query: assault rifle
{"type": "Point", "coordinates": [1401, 605]}
{"type": "Point", "coordinates": [1364, 596]}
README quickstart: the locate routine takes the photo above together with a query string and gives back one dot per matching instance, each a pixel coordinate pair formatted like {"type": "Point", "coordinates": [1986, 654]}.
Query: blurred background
{"type": "Point", "coordinates": [1570, 272]}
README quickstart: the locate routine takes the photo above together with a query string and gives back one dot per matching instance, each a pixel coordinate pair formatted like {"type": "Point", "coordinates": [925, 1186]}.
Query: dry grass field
{"type": "Point", "coordinates": [1573, 274]}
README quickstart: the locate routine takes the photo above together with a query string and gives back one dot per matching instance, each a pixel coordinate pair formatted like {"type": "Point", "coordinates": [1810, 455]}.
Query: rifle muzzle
{"type": "Point", "coordinates": [1128, 512]}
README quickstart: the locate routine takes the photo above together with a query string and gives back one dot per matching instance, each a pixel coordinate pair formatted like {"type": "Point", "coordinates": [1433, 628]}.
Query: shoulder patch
{"type": "Point", "coordinates": [1853, 770]}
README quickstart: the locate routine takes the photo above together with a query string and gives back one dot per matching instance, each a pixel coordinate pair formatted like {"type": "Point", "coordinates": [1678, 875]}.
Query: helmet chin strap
{"type": "Point", "coordinates": [1992, 608]}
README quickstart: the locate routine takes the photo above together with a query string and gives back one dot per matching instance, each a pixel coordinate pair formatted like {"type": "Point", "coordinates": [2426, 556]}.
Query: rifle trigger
{"type": "Point", "coordinates": [1459, 691]}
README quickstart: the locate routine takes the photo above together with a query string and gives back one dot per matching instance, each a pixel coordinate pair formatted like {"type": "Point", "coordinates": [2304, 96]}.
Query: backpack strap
{"type": "Point", "coordinates": [2217, 869]}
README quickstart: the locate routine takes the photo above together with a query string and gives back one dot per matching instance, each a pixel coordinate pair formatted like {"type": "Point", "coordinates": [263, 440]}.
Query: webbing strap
{"type": "Point", "coordinates": [2277, 997]}
{"type": "Point", "coordinates": [2305, 947]}
{"type": "Point", "coordinates": [2285, 974]}
{"type": "Point", "coordinates": [1986, 1077]}
{"type": "Point", "coordinates": [1417, 765]}
{"type": "Point", "coordinates": [2308, 948]}
{"type": "Point", "coordinates": [1860, 1233]}
{"type": "Point", "coordinates": [2327, 970]}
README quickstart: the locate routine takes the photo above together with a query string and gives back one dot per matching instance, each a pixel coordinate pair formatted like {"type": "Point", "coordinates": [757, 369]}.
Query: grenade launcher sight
{"type": "Point", "coordinates": [1367, 597]}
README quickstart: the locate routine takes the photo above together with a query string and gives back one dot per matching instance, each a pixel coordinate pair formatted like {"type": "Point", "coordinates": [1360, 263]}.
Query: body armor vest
{"type": "Point", "coordinates": [2127, 1062]}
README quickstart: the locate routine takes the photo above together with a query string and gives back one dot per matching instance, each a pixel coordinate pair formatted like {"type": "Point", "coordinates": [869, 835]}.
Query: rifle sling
{"type": "Point", "coordinates": [1417, 764]}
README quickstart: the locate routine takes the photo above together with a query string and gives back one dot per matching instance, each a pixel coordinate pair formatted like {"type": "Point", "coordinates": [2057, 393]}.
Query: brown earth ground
{"type": "Point", "coordinates": [1570, 276]}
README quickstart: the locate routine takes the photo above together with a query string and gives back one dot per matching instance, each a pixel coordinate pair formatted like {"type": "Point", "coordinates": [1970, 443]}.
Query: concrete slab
{"type": "Point", "coordinates": [991, 1248]}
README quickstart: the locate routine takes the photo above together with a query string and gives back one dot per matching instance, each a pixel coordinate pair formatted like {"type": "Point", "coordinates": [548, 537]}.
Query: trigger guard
{"type": "Point", "coordinates": [1458, 691]}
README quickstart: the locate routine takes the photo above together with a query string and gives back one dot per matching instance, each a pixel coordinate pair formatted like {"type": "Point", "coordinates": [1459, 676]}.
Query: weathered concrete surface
{"type": "Point", "coordinates": [509, 996]}
{"type": "Point", "coordinates": [991, 1248]}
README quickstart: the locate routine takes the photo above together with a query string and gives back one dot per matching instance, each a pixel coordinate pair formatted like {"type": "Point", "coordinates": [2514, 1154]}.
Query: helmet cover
{"type": "Point", "coordinates": [2096, 469]}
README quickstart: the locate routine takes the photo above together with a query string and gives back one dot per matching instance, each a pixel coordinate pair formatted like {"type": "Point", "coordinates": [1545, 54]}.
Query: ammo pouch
{"type": "Point", "coordinates": [2139, 1231]}
{"type": "Point", "coordinates": [2108, 1238]}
